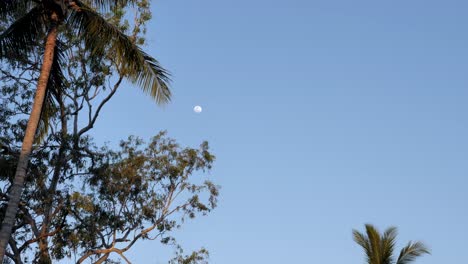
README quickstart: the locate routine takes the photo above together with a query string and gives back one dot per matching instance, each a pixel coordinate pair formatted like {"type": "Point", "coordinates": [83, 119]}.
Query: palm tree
{"type": "Point", "coordinates": [44, 20]}
{"type": "Point", "coordinates": [379, 248]}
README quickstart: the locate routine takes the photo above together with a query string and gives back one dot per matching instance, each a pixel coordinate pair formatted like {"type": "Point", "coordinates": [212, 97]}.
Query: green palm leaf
{"type": "Point", "coordinates": [411, 252]}
{"type": "Point", "coordinates": [387, 245]}
{"type": "Point", "coordinates": [109, 4]}
{"type": "Point", "coordinates": [49, 110]}
{"type": "Point", "coordinates": [379, 248]}
{"type": "Point", "coordinates": [374, 241]}
{"type": "Point", "coordinates": [9, 8]}
{"type": "Point", "coordinates": [362, 240]}
{"type": "Point", "coordinates": [134, 63]}
{"type": "Point", "coordinates": [57, 80]}
{"type": "Point", "coordinates": [55, 86]}
{"type": "Point", "coordinates": [23, 34]}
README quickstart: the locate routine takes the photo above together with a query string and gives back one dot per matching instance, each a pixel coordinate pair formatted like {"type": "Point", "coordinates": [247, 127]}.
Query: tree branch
{"type": "Point", "coordinates": [96, 114]}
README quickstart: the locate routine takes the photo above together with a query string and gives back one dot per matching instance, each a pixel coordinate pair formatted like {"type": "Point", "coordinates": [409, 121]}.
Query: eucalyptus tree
{"type": "Point", "coordinates": [379, 248]}
{"type": "Point", "coordinates": [43, 21]}
{"type": "Point", "coordinates": [108, 200]}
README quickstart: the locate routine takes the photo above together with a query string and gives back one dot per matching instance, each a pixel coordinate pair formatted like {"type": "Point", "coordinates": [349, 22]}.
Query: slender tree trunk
{"type": "Point", "coordinates": [44, 257]}
{"type": "Point", "coordinates": [20, 175]}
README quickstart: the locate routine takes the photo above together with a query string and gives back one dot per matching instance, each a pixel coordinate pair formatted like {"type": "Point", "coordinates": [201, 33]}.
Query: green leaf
{"type": "Point", "coordinates": [13, 7]}
{"type": "Point", "coordinates": [363, 241]}
{"type": "Point", "coordinates": [411, 252]}
{"type": "Point", "coordinates": [55, 86]}
{"type": "Point", "coordinates": [106, 5]}
{"type": "Point", "coordinates": [387, 245]}
{"type": "Point", "coordinates": [23, 34]}
{"type": "Point", "coordinates": [139, 67]}
{"type": "Point", "coordinates": [374, 242]}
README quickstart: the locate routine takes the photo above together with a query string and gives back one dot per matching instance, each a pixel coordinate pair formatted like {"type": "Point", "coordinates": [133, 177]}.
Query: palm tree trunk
{"type": "Point", "coordinates": [20, 175]}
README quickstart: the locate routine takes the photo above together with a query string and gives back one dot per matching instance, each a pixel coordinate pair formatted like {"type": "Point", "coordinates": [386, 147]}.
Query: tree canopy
{"type": "Point", "coordinates": [84, 200]}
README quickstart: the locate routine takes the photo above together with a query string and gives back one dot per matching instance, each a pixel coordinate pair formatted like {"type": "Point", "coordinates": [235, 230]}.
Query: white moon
{"type": "Point", "coordinates": [197, 109]}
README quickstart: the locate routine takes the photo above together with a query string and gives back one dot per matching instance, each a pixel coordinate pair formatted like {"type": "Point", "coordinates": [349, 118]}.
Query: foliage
{"type": "Point", "coordinates": [197, 257]}
{"type": "Point", "coordinates": [33, 21]}
{"type": "Point", "coordinates": [84, 20]}
{"type": "Point", "coordinates": [107, 200]}
{"type": "Point", "coordinates": [80, 200]}
{"type": "Point", "coordinates": [379, 248]}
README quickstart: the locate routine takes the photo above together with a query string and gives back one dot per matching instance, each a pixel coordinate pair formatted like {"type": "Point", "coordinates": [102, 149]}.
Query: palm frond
{"type": "Point", "coordinates": [363, 241]}
{"type": "Point", "coordinates": [57, 80]}
{"type": "Point", "coordinates": [374, 241]}
{"type": "Point", "coordinates": [7, 6]}
{"type": "Point", "coordinates": [139, 67]}
{"type": "Point", "coordinates": [49, 110]}
{"type": "Point", "coordinates": [11, 8]}
{"type": "Point", "coordinates": [411, 252]}
{"type": "Point", "coordinates": [105, 5]}
{"type": "Point", "coordinates": [387, 245]}
{"type": "Point", "coordinates": [18, 39]}
{"type": "Point", "coordinates": [55, 86]}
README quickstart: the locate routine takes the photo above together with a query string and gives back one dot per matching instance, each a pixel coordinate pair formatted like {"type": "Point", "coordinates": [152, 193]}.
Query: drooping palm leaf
{"type": "Point", "coordinates": [55, 86]}
{"type": "Point", "coordinates": [411, 252]}
{"type": "Point", "coordinates": [106, 5]}
{"type": "Point", "coordinates": [57, 80]}
{"type": "Point", "coordinates": [49, 110]}
{"type": "Point", "coordinates": [134, 63]}
{"type": "Point", "coordinates": [7, 6]}
{"type": "Point", "coordinates": [10, 8]}
{"type": "Point", "coordinates": [23, 34]}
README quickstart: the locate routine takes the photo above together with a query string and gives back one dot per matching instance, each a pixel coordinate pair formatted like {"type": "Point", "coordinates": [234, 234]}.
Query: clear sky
{"type": "Point", "coordinates": [324, 115]}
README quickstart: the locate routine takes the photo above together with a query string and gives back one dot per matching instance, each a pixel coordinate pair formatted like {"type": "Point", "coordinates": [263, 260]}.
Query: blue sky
{"type": "Point", "coordinates": [323, 115]}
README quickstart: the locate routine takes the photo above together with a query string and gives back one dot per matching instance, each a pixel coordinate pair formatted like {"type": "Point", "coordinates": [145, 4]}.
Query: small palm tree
{"type": "Point", "coordinates": [379, 248]}
{"type": "Point", "coordinates": [42, 22]}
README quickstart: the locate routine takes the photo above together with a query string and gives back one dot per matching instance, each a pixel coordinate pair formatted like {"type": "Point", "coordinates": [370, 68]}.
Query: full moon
{"type": "Point", "coordinates": [197, 109]}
